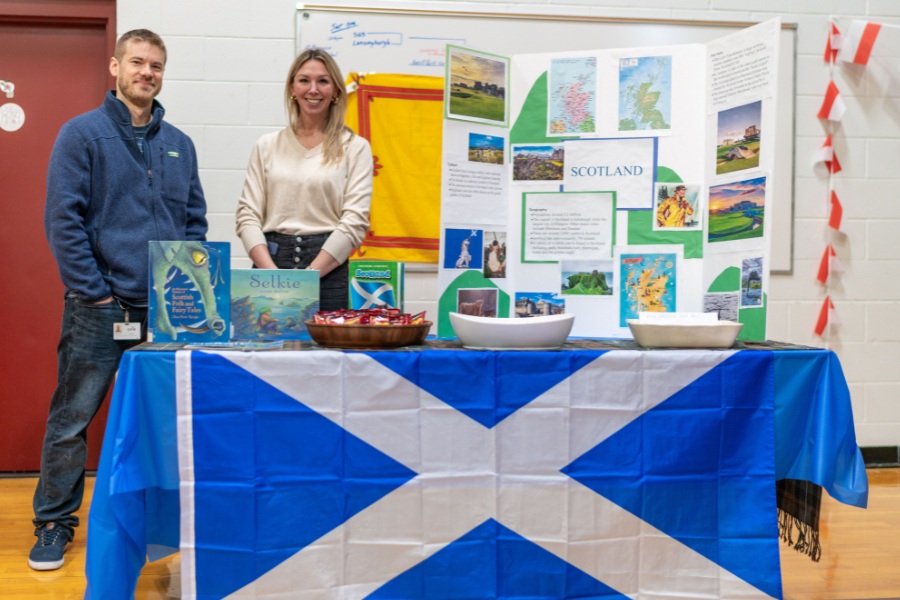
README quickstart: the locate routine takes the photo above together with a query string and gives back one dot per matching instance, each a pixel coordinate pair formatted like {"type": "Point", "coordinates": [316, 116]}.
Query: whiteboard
{"type": "Point", "coordinates": [400, 40]}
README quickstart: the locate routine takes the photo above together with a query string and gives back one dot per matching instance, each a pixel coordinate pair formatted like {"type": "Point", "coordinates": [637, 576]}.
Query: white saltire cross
{"type": "Point", "coordinates": [468, 473]}
{"type": "Point", "coordinates": [373, 299]}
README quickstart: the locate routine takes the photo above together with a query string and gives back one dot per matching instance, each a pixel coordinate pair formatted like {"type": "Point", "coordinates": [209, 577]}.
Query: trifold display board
{"type": "Point", "coordinates": [387, 37]}
{"type": "Point", "coordinates": [608, 182]}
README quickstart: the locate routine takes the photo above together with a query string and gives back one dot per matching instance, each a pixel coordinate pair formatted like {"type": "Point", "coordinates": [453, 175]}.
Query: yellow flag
{"type": "Point", "coordinates": [402, 117]}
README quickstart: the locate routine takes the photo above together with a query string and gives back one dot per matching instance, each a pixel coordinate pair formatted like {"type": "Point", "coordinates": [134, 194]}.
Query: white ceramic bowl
{"type": "Point", "coordinates": [721, 334]}
{"type": "Point", "coordinates": [523, 333]}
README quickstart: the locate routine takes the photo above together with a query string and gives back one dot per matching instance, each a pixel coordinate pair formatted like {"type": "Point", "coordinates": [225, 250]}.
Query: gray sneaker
{"type": "Point", "coordinates": [49, 548]}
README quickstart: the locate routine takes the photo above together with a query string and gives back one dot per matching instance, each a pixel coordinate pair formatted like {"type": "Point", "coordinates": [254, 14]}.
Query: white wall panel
{"type": "Point", "coordinates": [228, 60]}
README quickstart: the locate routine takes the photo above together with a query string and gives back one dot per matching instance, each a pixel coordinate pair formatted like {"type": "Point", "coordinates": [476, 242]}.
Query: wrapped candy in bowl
{"type": "Point", "coordinates": [374, 328]}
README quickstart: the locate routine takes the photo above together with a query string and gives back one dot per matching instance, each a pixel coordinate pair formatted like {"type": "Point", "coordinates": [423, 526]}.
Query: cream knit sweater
{"type": "Point", "coordinates": [288, 190]}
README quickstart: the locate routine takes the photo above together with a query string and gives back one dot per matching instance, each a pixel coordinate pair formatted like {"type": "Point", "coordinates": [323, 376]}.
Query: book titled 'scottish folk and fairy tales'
{"type": "Point", "coordinates": [376, 283]}
{"type": "Point", "coordinates": [273, 304]}
{"type": "Point", "coordinates": [190, 291]}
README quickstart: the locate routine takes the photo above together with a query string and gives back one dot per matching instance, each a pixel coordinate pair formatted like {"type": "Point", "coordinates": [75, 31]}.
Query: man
{"type": "Point", "coordinates": [672, 211]}
{"type": "Point", "coordinates": [495, 264]}
{"type": "Point", "coordinates": [118, 177]}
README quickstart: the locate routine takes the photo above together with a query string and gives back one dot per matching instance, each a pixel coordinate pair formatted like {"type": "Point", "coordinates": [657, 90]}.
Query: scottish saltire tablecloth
{"type": "Point", "coordinates": [452, 474]}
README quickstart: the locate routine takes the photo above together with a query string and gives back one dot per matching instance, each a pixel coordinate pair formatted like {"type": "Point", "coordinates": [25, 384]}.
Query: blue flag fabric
{"type": "Point", "coordinates": [478, 475]}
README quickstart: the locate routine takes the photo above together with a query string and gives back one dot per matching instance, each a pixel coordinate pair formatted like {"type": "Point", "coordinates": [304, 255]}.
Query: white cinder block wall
{"type": "Point", "coordinates": [223, 86]}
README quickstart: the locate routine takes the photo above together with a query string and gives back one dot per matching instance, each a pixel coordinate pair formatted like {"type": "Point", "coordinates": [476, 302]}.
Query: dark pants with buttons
{"type": "Point", "coordinates": [297, 252]}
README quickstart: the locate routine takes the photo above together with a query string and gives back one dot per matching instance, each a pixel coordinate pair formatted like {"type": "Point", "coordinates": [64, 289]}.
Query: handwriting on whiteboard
{"type": "Point", "coordinates": [426, 62]}
{"type": "Point", "coordinates": [338, 27]}
{"type": "Point", "coordinates": [377, 39]}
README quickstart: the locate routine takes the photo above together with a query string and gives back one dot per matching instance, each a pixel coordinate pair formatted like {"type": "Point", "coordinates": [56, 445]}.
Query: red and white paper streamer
{"type": "Point", "coordinates": [835, 40]}
{"type": "Point", "coordinates": [858, 43]}
{"type": "Point", "coordinates": [836, 216]}
{"type": "Point", "coordinates": [827, 317]}
{"type": "Point", "coordinates": [833, 107]}
{"type": "Point", "coordinates": [827, 158]}
{"type": "Point", "coordinates": [828, 265]}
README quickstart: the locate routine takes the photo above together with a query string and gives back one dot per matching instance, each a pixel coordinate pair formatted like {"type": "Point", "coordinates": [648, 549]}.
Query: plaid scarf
{"type": "Point", "coordinates": [799, 506]}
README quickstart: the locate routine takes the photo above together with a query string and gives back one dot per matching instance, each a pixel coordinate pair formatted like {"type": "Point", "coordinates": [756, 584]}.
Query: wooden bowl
{"type": "Point", "coordinates": [367, 336]}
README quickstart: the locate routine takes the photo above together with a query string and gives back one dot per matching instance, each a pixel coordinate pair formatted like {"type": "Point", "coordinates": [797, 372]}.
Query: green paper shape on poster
{"type": "Point", "coordinates": [531, 124]}
{"type": "Point", "coordinates": [667, 175]}
{"type": "Point", "coordinates": [467, 280]}
{"type": "Point", "coordinates": [728, 280]}
{"type": "Point", "coordinates": [640, 225]}
{"type": "Point", "coordinates": [754, 319]}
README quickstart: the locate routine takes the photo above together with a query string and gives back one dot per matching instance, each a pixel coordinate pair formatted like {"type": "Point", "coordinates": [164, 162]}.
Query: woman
{"type": "Point", "coordinates": [305, 202]}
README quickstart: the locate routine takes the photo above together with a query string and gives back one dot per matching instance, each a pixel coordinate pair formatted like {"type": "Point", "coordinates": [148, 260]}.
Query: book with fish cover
{"type": "Point", "coordinates": [190, 291]}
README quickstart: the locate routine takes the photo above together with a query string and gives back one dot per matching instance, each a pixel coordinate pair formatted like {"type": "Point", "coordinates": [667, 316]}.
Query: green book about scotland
{"type": "Point", "coordinates": [376, 284]}
{"type": "Point", "coordinates": [190, 293]}
{"type": "Point", "coordinates": [273, 304]}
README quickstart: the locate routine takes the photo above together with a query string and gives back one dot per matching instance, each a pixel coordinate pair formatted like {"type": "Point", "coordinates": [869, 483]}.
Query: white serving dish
{"type": "Point", "coordinates": [720, 334]}
{"type": "Point", "coordinates": [523, 333]}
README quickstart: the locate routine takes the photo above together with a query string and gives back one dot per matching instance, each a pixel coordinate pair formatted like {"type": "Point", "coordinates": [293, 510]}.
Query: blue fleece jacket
{"type": "Point", "coordinates": [105, 200]}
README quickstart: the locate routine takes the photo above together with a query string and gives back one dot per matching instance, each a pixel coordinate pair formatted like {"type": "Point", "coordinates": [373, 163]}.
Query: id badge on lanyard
{"type": "Point", "coordinates": [126, 330]}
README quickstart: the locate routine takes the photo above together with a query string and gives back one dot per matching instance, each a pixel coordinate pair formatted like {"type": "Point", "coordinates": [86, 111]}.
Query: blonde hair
{"type": "Point", "coordinates": [334, 126]}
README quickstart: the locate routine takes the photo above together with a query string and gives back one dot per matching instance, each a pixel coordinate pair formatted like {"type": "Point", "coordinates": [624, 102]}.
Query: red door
{"type": "Point", "coordinates": [58, 62]}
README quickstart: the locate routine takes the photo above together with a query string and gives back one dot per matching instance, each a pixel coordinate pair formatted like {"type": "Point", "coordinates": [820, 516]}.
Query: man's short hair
{"type": "Point", "coordinates": [680, 187]}
{"type": "Point", "coordinates": [139, 35]}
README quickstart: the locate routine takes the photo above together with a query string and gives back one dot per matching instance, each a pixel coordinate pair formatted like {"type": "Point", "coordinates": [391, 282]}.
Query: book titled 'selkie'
{"type": "Point", "coordinates": [376, 283]}
{"type": "Point", "coordinates": [273, 304]}
{"type": "Point", "coordinates": [190, 291]}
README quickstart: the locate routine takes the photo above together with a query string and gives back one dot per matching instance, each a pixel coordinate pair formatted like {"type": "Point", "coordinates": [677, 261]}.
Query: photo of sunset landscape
{"type": "Point", "coordinates": [736, 210]}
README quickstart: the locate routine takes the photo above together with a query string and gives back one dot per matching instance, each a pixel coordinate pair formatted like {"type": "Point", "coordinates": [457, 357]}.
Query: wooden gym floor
{"type": "Point", "coordinates": [860, 558]}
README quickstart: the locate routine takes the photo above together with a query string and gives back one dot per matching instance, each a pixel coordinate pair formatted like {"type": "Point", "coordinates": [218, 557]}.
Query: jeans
{"type": "Point", "coordinates": [297, 252]}
{"type": "Point", "coordinates": [88, 358]}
